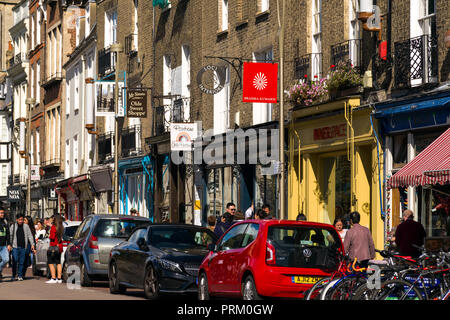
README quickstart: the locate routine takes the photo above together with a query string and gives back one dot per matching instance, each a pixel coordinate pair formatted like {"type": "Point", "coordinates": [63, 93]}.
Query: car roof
{"type": "Point", "coordinates": [117, 216]}
{"type": "Point", "coordinates": [275, 222]}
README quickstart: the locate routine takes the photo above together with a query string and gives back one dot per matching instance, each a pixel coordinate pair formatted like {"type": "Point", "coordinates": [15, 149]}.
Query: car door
{"type": "Point", "coordinates": [222, 260]}
{"type": "Point", "coordinates": [136, 258]}
{"type": "Point", "coordinates": [74, 250]}
{"type": "Point", "coordinates": [241, 258]}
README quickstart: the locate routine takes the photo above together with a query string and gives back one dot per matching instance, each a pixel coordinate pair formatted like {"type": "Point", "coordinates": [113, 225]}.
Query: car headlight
{"type": "Point", "coordinates": [169, 265]}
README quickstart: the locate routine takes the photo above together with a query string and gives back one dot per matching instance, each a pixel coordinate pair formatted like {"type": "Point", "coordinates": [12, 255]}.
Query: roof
{"type": "Point", "coordinates": [430, 167]}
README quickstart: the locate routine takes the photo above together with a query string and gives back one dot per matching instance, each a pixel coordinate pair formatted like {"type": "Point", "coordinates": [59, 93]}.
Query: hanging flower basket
{"type": "Point", "coordinates": [343, 80]}
{"type": "Point", "coordinates": [305, 93]}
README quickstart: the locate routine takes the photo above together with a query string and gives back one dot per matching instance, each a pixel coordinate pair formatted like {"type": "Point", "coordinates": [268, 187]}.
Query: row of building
{"type": "Point", "coordinates": [339, 152]}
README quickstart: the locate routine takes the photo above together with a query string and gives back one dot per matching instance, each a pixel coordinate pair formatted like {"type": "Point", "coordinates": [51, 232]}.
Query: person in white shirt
{"type": "Point", "coordinates": [339, 226]}
{"type": "Point", "coordinates": [40, 230]}
{"type": "Point", "coordinates": [249, 212]}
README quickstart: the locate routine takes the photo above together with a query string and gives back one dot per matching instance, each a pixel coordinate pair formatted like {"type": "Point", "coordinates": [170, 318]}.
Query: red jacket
{"type": "Point", "coordinates": [54, 242]}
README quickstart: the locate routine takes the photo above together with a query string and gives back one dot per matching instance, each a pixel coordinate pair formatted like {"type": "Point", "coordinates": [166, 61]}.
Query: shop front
{"type": "Point", "coordinates": [334, 165]}
{"type": "Point", "coordinates": [78, 197]}
{"type": "Point", "coordinates": [408, 126]}
{"type": "Point", "coordinates": [242, 176]}
{"type": "Point", "coordinates": [136, 186]}
{"type": "Point", "coordinates": [429, 173]}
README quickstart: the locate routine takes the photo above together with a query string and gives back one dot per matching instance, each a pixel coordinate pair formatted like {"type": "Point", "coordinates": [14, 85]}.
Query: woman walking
{"type": "Point", "coordinates": [55, 249]}
{"type": "Point", "coordinates": [28, 253]}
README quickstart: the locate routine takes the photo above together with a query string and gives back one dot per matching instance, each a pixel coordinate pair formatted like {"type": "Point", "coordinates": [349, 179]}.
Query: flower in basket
{"type": "Point", "coordinates": [306, 92]}
{"type": "Point", "coordinates": [343, 76]}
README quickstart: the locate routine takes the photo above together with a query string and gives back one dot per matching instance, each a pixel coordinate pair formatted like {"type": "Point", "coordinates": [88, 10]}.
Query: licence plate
{"type": "Point", "coordinates": [305, 279]}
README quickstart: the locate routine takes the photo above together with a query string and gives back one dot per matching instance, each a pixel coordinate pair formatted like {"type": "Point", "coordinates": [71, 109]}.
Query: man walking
{"type": "Point", "coordinates": [409, 233]}
{"type": "Point", "coordinates": [358, 242]}
{"type": "Point", "coordinates": [21, 236]}
{"type": "Point", "coordinates": [5, 245]}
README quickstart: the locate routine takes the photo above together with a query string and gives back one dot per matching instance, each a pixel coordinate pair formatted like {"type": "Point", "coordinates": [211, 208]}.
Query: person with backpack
{"type": "Point", "coordinates": [55, 249]}
{"type": "Point", "coordinates": [21, 236]}
{"type": "Point", "coordinates": [5, 243]}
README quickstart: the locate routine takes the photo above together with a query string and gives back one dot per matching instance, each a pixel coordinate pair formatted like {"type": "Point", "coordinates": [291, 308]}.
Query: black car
{"type": "Point", "coordinates": [160, 258]}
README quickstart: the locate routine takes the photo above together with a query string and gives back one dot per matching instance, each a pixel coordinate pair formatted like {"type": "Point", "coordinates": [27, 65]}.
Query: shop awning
{"type": "Point", "coordinates": [431, 166]}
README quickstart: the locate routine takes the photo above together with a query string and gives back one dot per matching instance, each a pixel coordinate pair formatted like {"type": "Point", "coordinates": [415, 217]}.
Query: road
{"type": "Point", "coordinates": [35, 288]}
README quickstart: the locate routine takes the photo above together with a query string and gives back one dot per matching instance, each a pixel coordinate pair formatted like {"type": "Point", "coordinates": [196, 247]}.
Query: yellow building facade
{"type": "Point", "coordinates": [333, 164]}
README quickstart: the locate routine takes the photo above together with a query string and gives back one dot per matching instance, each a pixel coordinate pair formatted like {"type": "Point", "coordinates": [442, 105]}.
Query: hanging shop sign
{"type": "Point", "coordinates": [136, 103]}
{"type": "Point", "coordinates": [260, 82]}
{"type": "Point", "coordinates": [182, 136]}
{"type": "Point", "coordinates": [14, 194]}
{"type": "Point", "coordinates": [35, 173]}
{"type": "Point", "coordinates": [211, 79]}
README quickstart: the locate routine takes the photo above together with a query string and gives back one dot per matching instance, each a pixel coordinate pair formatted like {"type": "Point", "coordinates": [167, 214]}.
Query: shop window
{"type": "Point", "coordinates": [265, 191]}
{"type": "Point", "coordinates": [434, 210]}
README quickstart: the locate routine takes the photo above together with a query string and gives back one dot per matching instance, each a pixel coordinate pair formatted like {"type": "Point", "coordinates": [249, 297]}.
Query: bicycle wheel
{"type": "Point", "coordinates": [347, 288]}
{"type": "Point", "coordinates": [314, 292]}
{"type": "Point", "coordinates": [328, 288]}
{"type": "Point", "coordinates": [364, 293]}
{"type": "Point", "coordinates": [397, 290]}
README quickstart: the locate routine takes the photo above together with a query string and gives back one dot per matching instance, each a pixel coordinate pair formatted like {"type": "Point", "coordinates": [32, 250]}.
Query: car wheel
{"type": "Point", "coordinates": [203, 289]}
{"type": "Point", "coordinates": [151, 285]}
{"type": "Point", "coordinates": [85, 280]}
{"type": "Point", "coordinates": [249, 290]}
{"type": "Point", "coordinates": [114, 285]}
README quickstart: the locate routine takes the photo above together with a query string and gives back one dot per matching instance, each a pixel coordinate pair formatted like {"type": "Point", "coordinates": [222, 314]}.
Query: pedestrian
{"type": "Point", "coordinates": [231, 208]}
{"type": "Point", "coordinates": [409, 233]}
{"type": "Point", "coordinates": [250, 212]}
{"type": "Point", "coordinates": [21, 236]}
{"type": "Point", "coordinates": [133, 212]}
{"type": "Point", "coordinates": [239, 216]}
{"type": "Point", "coordinates": [48, 225]}
{"type": "Point", "coordinates": [358, 242]}
{"type": "Point", "coordinates": [301, 217]}
{"type": "Point", "coordinates": [339, 226]}
{"type": "Point", "coordinates": [260, 214]}
{"type": "Point", "coordinates": [211, 223]}
{"type": "Point", "coordinates": [225, 222]}
{"type": "Point", "coordinates": [5, 242]}
{"type": "Point", "coordinates": [266, 209]}
{"type": "Point", "coordinates": [28, 253]}
{"type": "Point", "coordinates": [55, 249]}
{"type": "Point", "coordinates": [40, 230]}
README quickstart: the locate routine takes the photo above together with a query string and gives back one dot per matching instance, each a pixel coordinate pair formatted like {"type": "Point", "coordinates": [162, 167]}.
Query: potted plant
{"type": "Point", "coordinates": [343, 78]}
{"type": "Point", "coordinates": [305, 93]}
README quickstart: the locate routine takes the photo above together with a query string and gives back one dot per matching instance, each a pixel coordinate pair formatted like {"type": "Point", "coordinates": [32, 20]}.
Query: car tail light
{"type": "Point", "coordinates": [93, 242]}
{"type": "Point", "coordinates": [270, 254]}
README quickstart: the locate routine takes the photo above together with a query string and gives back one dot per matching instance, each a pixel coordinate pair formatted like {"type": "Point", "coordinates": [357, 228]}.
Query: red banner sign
{"type": "Point", "coordinates": [260, 82]}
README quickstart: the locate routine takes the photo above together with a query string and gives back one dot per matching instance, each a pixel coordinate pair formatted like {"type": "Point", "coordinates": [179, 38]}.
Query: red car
{"type": "Point", "coordinates": [269, 258]}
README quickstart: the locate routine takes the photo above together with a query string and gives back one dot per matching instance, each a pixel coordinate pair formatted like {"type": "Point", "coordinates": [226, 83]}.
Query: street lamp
{"type": "Point", "coordinates": [117, 48]}
{"type": "Point", "coordinates": [29, 102]}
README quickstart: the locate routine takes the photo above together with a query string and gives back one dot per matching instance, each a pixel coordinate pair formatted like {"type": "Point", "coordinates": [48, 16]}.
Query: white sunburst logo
{"type": "Point", "coordinates": [260, 81]}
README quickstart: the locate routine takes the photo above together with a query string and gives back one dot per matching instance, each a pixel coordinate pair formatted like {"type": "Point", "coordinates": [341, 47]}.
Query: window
{"type": "Point", "coordinates": [222, 106]}
{"type": "Point", "coordinates": [264, 5]}
{"type": "Point", "coordinates": [110, 28]}
{"type": "Point", "coordinates": [223, 15]}
{"type": "Point", "coordinates": [4, 128]}
{"type": "Point", "coordinates": [316, 47]}
{"type": "Point", "coordinates": [233, 238]}
{"type": "Point", "coordinates": [115, 228]}
{"type": "Point", "coordinates": [136, 28]}
{"type": "Point", "coordinates": [67, 171]}
{"type": "Point", "coordinates": [304, 247]}
{"type": "Point", "coordinates": [140, 233]}
{"type": "Point", "coordinates": [84, 229]}
{"type": "Point", "coordinates": [250, 234]}
{"type": "Point", "coordinates": [38, 148]}
{"type": "Point", "coordinates": [354, 43]}
{"type": "Point", "coordinates": [37, 81]}
{"type": "Point", "coordinates": [4, 180]}
{"type": "Point", "coordinates": [75, 155]}
{"type": "Point", "coordinates": [87, 26]}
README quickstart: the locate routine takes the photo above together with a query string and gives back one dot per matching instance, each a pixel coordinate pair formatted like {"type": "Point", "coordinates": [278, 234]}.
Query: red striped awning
{"type": "Point", "coordinates": [431, 166]}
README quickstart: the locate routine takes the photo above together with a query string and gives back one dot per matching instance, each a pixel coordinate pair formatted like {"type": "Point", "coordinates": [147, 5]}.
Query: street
{"type": "Point", "coordinates": [35, 288]}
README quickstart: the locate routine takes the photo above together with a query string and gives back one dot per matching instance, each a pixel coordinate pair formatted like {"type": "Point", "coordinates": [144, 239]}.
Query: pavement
{"type": "Point", "coordinates": [35, 288]}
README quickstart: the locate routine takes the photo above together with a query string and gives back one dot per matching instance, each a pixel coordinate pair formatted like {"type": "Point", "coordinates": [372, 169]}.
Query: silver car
{"type": "Point", "coordinates": [93, 241]}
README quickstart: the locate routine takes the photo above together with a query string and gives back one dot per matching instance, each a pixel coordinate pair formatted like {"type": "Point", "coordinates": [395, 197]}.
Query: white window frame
{"type": "Point", "coordinates": [224, 15]}
{"type": "Point", "coordinates": [222, 106]}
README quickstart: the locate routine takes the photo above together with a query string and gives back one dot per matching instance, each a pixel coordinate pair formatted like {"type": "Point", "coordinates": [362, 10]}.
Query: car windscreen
{"type": "Point", "coordinates": [181, 238]}
{"type": "Point", "coordinates": [116, 228]}
{"type": "Point", "coordinates": [69, 232]}
{"type": "Point", "coordinates": [304, 246]}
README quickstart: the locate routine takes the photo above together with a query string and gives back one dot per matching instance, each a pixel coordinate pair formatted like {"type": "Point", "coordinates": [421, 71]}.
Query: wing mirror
{"type": "Point", "coordinates": [212, 247]}
{"type": "Point", "coordinates": [142, 244]}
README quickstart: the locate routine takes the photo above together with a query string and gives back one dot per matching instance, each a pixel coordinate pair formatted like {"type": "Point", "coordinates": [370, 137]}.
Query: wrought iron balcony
{"type": "Point", "coordinates": [17, 59]}
{"type": "Point", "coordinates": [105, 147]}
{"type": "Point", "coordinates": [350, 50]}
{"type": "Point", "coordinates": [130, 44]}
{"type": "Point", "coordinates": [105, 104]}
{"type": "Point", "coordinates": [416, 61]}
{"type": "Point", "coordinates": [106, 62]}
{"type": "Point", "coordinates": [177, 112]}
{"type": "Point", "coordinates": [308, 66]}
{"type": "Point", "coordinates": [52, 163]}
{"type": "Point", "coordinates": [131, 138]}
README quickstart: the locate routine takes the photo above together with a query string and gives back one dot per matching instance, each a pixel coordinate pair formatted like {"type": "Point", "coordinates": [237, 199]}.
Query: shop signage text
{"type": "Point", "coordinates": [330, 132]}
{"type": "Point", "coordinates": [260, 82]}
{"type": "Point", "coordinates": [136, 103]}
{"type": "Point", "coordinates": [14, 194]}
{"type": "Point", "coordinates": [182, 136]}
{"type": "Point", "coordinates": [216, 76]}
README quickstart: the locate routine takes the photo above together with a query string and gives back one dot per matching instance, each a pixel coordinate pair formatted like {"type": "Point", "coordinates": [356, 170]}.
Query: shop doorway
{"type": "Point", "coordinates": [334, 186]}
